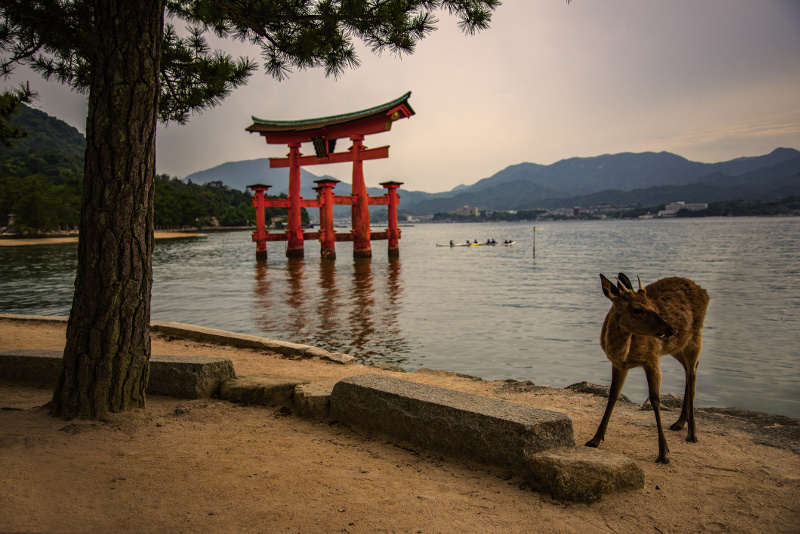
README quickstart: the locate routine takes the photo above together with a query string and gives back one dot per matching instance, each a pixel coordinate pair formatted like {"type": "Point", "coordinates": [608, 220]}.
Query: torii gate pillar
{"type": "Point", "coordinates": [360, 209]}
{"type": "Point", "coordinates": [327, 234]}
{"type": "Point", "coordinates": [393, 232]}
{"type": "Point", "coordinates": [260, 233]}
{"type": "Point", "coordinates": [294, 246]}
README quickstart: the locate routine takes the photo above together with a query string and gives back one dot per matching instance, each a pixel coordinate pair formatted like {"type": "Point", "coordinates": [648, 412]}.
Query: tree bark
{"type": "Point", "coordinates": [107, 353]}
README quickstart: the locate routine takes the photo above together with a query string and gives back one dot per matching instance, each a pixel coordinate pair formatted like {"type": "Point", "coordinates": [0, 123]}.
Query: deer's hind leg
{"type": "Point", "coordinates": [690, 359]}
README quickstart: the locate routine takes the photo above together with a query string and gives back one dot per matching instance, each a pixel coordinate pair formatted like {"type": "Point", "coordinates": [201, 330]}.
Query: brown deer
{"type": "Point", "coordinates": [665, 317]}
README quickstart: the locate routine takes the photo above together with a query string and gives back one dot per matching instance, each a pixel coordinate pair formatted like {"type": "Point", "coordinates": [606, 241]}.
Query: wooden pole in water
{"type": "Point", "coordinates": [534, 241]}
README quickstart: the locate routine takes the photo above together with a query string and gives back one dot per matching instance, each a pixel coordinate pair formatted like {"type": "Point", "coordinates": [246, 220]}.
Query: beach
{"type": "Point", "coordinates": [213, 466]}
{"type": "Point", "coordinates": [24, 241]}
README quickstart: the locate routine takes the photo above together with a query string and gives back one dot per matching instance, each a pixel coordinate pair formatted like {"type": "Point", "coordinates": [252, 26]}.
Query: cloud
{"type": "Point", "coordinates": [709, 80]}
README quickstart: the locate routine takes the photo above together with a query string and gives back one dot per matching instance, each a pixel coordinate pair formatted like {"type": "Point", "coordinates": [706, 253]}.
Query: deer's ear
{"type": "Point", "coordinates": [609, 289]}
{"type": "Point", "coordinates": [622, 277]}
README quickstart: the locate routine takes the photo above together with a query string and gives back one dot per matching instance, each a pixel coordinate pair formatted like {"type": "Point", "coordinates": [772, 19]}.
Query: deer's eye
{"type": "Point", "coordinates": [638, 311]}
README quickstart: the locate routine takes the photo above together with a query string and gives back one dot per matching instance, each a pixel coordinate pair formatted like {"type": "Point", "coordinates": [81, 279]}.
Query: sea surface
{"type": "Point", "coordinates": [497, 312]}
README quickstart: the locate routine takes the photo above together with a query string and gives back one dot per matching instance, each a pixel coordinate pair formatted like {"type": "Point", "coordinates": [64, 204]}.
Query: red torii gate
{"type": "Point", "coordinates": [323, 133]}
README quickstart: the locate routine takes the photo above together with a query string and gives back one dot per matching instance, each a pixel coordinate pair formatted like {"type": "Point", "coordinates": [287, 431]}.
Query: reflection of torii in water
{"type": "Point", "coordinates": [323, 133]}
{"type": "Point", "coordinates": [353, 312]}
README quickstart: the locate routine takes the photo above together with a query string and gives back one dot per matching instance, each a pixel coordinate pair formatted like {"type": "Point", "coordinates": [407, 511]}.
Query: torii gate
{"type": "Point", "coordinates": [323, 133]}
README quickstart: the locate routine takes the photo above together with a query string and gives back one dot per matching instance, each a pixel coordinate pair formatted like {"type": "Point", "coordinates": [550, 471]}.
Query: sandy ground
{"type": "Point", "coordinates": [212, 466]}
{"type": "Point", "coordinates": [17, 242]}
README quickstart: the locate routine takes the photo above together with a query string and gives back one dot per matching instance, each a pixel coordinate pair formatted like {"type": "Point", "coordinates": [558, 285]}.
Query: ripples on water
{"type": "Point", "coordinates": [494, 312]}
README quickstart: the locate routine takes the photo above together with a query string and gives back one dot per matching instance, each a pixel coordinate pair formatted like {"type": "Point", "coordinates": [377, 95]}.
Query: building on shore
{"type": "Point", "coordinates": [673, 209]}
{"type": "Point", "coordinates": [466, 211]}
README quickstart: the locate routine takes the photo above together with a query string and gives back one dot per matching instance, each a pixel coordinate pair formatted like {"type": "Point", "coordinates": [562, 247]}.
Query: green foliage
{"type": "Point", "coordinates": [41, 174]}
{"type": "Point", "coordinates": [320, 33]}
{"type": "Point", "coordinates": [10, 101]}
{"type": "Point", "coordinates": [195, 77]}
{"type": "Point", "coordinates": [743, 208]}
{"type": "Point", "coordinates": [41, 177]}
{"type": "Point", "coordinates": [635, 213]}
{"type": "Point", "coordinates": [188, 204]}
{"type": "Point", "coordinates": [47, 134]}
{"type": "Point", "coordinates": [212, 204]}
{"type": "Point", "coordinates": [494, 216]}
{"type": "Point", "coordinates": [724, 208]}
{"type": "Point", "coordinates": [38, 204]}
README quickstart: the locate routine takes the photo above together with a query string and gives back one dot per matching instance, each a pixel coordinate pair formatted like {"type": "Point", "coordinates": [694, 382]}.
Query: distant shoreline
{"type": "Point", "coordinates": [9, 241]}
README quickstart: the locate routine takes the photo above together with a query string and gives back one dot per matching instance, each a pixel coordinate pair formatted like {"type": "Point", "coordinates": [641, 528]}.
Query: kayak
{"type": "Point", "coordinates": [471, 244]}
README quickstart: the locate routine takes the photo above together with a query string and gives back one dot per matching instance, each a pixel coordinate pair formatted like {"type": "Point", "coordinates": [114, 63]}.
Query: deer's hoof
{"type": "Point", "coordinates": [592, 443]}
{"type": "Point", "coordinates": [676, 426]}
{"type": "Point", "coordinates": [691, 439]}
{"type": "Point", "coordinates": [662, 460]}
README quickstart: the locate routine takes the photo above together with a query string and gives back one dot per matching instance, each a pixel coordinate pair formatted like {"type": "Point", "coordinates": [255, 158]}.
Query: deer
{"type": "Point", "coordinates": [666, 317]}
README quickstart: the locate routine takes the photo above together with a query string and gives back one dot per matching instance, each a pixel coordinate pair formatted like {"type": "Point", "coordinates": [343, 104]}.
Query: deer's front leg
{"type": "Point", "coordinates": [617, 381]}
{"type": "Point", "coordinates": [653, 375]}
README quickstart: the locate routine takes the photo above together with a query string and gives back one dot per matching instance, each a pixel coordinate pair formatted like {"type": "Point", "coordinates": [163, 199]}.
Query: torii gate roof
{"type": "Point", "coordinates": [368, 121]}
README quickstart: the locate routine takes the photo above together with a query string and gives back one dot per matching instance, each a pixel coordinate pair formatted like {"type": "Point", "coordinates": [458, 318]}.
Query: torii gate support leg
{"type": "Point", "coordinates": [327, 236]}
{"type": "Point", "coordinates": [260, 233]}
{"type": "Point", "coordinates": [360, 211]}
{"type": "Point", "coordinates": [294, 247]}
{"type": "Point", "coordinates": [393, 232]}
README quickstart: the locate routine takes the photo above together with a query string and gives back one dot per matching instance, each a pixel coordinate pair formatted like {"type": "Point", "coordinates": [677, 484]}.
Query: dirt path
{"type": "Point", "coordinates": [212, 466]}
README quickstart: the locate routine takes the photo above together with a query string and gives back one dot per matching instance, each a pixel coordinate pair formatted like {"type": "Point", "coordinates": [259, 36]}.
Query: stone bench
{"type": "Point", "coordinates": [484, 429]}
{"type": "Point", "coordinates": [188, 377]}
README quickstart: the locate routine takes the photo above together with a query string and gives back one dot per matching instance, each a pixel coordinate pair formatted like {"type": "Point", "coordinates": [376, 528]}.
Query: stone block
{"type": "Point", "coordinates": [34, 367]}
{"type": "Point", "coordinates": [582, 474]}
{"type": "Point", "coordinates": [267, 390]}
{"type": "Point", "coordinates": [314, 400]}
{"type": "Point", "coordinates": [188, 377]}
{"type": "Point", "coordinates": [484, 429]}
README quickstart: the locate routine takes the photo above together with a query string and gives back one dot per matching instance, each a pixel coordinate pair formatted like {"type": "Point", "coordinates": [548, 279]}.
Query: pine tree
{"type": "Point", "coordinates": [10, 101]}
{"type": "Point", "coordinates": [137, 70]}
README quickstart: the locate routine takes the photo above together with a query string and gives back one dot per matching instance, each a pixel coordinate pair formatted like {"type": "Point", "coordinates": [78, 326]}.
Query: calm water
{"type": "Point", "coordinates": [494, 312]}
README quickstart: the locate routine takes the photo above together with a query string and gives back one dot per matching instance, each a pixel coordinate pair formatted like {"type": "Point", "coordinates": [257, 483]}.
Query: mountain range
{"type": "Point", "coordinates": [646, 179]}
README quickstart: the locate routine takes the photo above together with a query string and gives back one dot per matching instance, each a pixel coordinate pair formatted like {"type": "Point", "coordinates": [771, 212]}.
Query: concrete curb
{"type": "Point", "coordinates": [42, 318]}
{"type": "Point", "coordinates": [220, 337]}
{"type": "Point", "coordinates": [187, 377]}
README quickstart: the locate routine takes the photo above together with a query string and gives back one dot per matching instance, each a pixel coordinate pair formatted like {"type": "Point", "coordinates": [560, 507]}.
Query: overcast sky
{"type": "Point", "coordinates": [709, 80]}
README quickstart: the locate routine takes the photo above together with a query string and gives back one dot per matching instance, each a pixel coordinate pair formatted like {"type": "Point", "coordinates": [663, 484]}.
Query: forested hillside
{"type": "Point", "coordinates": [40, 174]}
{"type": "Point", "coordinates": [41, 177]}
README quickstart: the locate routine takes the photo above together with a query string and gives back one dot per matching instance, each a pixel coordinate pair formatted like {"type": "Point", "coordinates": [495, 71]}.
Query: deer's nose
{"type": "Point", "coordinates": [670, 331]}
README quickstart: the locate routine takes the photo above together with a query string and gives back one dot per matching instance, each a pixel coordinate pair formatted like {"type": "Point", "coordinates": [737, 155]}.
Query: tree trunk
{"type": "Point", "coordinates": [106, 357]}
